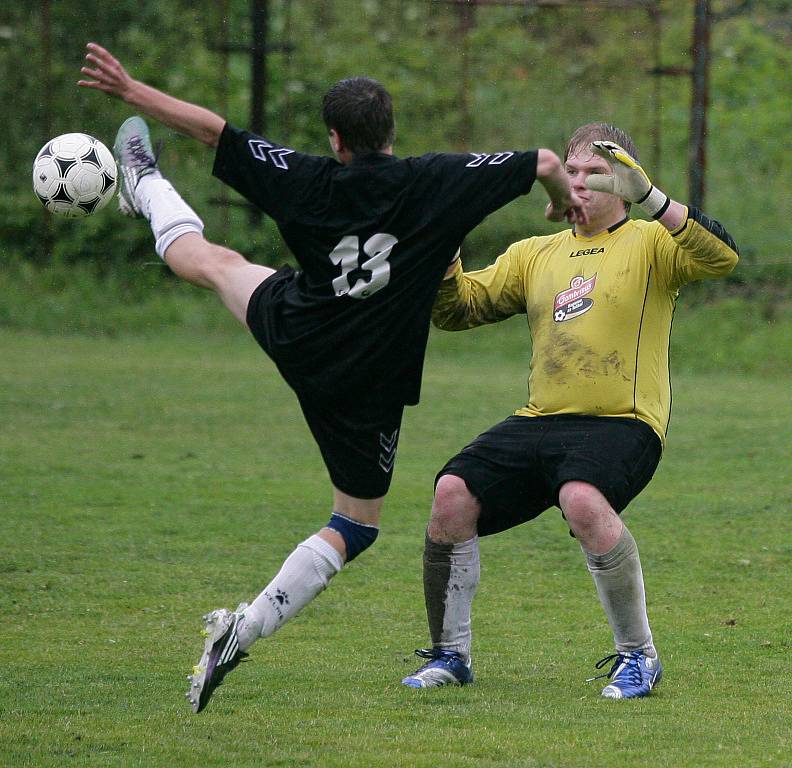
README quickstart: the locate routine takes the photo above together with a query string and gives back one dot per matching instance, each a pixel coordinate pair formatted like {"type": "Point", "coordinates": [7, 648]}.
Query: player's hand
{"type": "Point", "coordinates": [570, 210]}
{"type": "Point", "coordinates": [564, 203]}
{"type": "Point", "coordinates": [628, 180]}
{"type": "Point", "coordinates": [106, 72]}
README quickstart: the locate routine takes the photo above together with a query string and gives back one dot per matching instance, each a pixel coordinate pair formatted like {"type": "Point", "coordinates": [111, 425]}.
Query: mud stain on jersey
{"type": "Point", "coordinates": [567, 357]}
{"type": "Point", "coordinates": [566, 354]}
{"type": "Point", "coordinates": [615, 362]}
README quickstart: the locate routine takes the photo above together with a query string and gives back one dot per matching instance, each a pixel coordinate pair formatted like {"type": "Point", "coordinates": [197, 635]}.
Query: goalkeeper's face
{"type": "Point", "coordinates": [603, 210]}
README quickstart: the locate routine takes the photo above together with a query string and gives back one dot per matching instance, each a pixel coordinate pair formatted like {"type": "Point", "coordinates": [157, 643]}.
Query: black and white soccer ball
{"type": "Point", "coordinates": [74, 175]}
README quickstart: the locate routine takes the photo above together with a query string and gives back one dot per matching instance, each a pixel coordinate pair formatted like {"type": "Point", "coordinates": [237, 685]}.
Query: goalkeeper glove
{"type": "Point", "coordinates": [628, 180]}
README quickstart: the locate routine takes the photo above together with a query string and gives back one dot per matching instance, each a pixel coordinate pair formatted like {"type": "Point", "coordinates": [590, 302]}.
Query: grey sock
{"type": "Point", "coordinates": [619, 580]}
{"type": "Point", "coordinates": [451, 576]}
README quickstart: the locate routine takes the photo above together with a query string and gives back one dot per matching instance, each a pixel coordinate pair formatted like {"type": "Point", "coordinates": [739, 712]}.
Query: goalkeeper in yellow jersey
{"type": "Point", "coordinates": [599, 299]}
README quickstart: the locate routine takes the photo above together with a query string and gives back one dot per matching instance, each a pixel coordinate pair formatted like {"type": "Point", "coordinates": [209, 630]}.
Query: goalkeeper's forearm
{"type": "Point", "coordinates": [190, 119]}
{"type": "Point", "coordinates": [659, 206]}
{"type": "Point", "coordinates": [450, 310]}
{"type": "Point", "coordinates": [673, 216]}
{"type": "Point", "coordinates": [550, 174]}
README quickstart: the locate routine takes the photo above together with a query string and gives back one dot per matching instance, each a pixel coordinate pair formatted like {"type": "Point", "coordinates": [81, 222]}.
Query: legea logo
{"type": "Point", "coordinates": [586, 252]}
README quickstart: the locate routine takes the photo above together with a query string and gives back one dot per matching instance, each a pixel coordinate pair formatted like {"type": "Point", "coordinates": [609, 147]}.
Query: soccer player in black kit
{"type": "Point", "coordinates": [373, 236]}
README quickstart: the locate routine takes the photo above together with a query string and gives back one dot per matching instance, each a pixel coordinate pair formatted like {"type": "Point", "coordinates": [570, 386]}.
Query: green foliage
{"type": "Point", "coordinates": [95, 298]}
{"type": "Point", "coordinates": [749, 331]}
{"type": "Point", "coordinates": [753, 109]}
{"type": "Point", "coordinates": [520, 76]}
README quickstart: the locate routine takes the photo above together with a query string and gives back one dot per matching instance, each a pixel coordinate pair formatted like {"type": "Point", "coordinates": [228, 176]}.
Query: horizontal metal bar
{"type": "Point", "coordinates": [638, 5]}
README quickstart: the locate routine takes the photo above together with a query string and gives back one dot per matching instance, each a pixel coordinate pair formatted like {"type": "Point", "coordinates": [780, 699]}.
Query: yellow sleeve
{"type": "Point", "coordinates": [468, 299]}
{"type": "Point", "coordinates": [699, 248]}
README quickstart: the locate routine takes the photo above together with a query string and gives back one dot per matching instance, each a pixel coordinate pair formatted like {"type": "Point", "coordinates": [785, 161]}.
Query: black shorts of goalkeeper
{"type": "Point", "coordinates": [517, 468]}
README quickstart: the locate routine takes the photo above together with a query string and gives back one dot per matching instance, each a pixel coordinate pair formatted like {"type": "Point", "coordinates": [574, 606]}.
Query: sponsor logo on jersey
{"type": "Point", "coordinates": [573, 302]}
{"type": "Point", "coordinates": [263, 150]}
{"type": "Point", "coordinates": [586, 252]}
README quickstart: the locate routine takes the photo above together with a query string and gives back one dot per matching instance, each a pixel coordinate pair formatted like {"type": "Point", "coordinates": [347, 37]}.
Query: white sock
{"type": "Point", "coordinates": [451, 577]}
{"type": "Point", "coordinates": [169, 216]}
{"type": "Point", "coordinates": [303, 575]}
{"type": "Point", "coordinates": [618, 577]}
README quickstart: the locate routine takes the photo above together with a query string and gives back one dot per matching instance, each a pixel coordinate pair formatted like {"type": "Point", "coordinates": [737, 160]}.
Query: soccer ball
{"type": "Point", "coordinates": [74, 175]}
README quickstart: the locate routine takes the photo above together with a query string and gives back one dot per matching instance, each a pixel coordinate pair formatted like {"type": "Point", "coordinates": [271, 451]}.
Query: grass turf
{"type": "Point", "coordinates": [146, 480]}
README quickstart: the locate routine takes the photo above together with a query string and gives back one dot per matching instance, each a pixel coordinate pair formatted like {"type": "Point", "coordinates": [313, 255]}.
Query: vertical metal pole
{"type": "Point", "coordinates": [48, 239]}
{"type": "Point", "coordinates": [697, 161]}
{"type": "Point", "coordinates": [225, 23]}
{"type": "Point", "coordinates": [258, 66]}
{"type": "Point", "coordinates": [657, 94]}
{"type": "Point", "coordinates": [286, 123]}
{"type": "Point", "coordinates": [46, 50]}
{"type": "Point", "coordinates": [465, 25]}
{"type": "Point", "coordinates": [258, 81]}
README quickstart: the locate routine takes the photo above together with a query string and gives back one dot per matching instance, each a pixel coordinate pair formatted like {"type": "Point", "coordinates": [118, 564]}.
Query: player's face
{"type": "Point", "coordinates": [603, 210]}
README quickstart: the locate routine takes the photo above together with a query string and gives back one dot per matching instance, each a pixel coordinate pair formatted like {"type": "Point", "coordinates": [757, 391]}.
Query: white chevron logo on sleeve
{"type": "Point", "coordinates": [500, 157]}
{"type": "Point", "coordinates": [388, 454]}
{"type": "Point", "coordinates": [262, 150]}
{"type": "Point", "coordinates": [484, 158]}
{"type": "Point", "coordinates": [479, 159]}
{"type": "Point", "coordinates": [258, 148]}
{"type": "Point", "coordinates": [277, 155]}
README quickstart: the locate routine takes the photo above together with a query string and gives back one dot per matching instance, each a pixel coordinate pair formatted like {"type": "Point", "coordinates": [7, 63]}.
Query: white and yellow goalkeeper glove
{"type": "Point", "coordinates": [628, 180]}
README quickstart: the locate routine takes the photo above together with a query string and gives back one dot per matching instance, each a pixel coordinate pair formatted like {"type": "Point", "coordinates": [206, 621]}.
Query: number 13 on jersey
{"type": "Point", "coordinates": [361, 280]}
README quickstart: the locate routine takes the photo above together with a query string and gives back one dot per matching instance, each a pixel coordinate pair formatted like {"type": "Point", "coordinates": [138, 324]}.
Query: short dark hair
{"type": "Point", "coordinates": [360, 110]}
{"type": "Point", "coordinates": [584, 135]}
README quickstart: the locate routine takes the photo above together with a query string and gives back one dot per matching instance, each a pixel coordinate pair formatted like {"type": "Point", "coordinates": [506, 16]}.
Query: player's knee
{"type": "Point", "coordinates": [451, 495]}
{"type": "Point", "coordinates": [357, 536]}
{"type": "Point", "coordinates": [577, 493]}
{"type": "Point", "coordinates": [583, 504]}
{"type": "Point", "coordinates": [455, 510]}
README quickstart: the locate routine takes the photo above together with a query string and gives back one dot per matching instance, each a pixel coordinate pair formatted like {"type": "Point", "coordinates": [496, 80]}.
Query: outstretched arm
{"type": "Point", "coordinates": [564, 203]}
{"type": "Point", "coordinates": [108, 75]}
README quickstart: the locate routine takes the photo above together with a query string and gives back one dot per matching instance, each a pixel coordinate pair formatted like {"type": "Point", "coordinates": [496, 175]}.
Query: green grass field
{"type": "Point", "coordinates": [145, 479]}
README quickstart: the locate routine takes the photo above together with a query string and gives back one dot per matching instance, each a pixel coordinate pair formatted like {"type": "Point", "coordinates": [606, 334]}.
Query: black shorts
{"type": "Point", "coordinates": [517, 468]}
{"type": "Point", "coordinates": [357, 432]}
{"type": "Point", "coordinates": [358, 443]}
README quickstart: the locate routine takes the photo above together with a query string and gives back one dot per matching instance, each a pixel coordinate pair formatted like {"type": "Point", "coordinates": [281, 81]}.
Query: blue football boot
{"type": "Point", "coordinates": [632, 675]}
{"type": "Point", "coordinates": [443, 668]}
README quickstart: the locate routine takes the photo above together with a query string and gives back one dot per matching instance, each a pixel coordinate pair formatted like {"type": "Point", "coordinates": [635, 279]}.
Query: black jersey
{"type": "Point", "coordinates": [373, 240]}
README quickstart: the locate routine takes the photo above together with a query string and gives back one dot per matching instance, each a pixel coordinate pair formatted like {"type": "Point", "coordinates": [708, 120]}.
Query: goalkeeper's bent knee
{"type": "Point", "coordinates": [357, 536]}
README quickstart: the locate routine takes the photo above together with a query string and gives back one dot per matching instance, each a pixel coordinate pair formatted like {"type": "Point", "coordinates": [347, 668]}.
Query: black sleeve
{"type": "Point", "coordinates": [715, 227]}
{"type": "Point", "coordinates": [269, 175]}
{"type": "Point", "coordinates": [477, 184]}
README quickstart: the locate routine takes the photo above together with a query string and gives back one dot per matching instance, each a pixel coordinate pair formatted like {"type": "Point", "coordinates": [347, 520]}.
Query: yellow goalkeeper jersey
{"type": "Point", "coordinates": [599, 311]}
